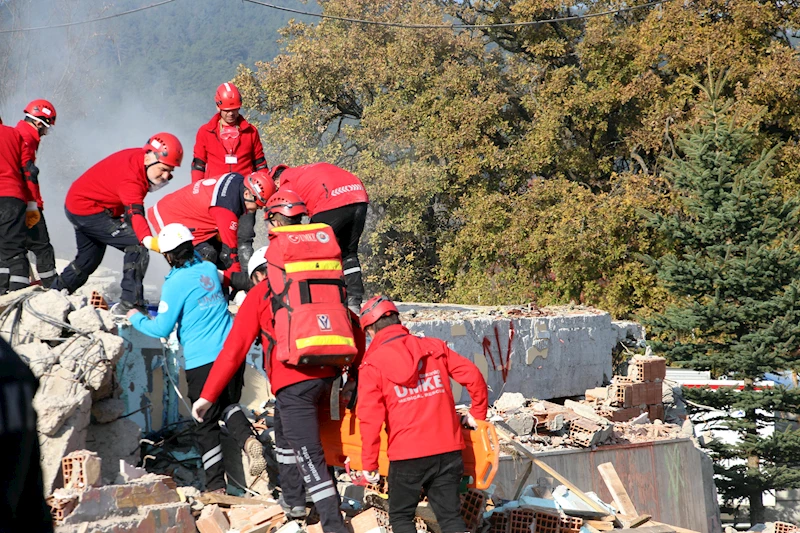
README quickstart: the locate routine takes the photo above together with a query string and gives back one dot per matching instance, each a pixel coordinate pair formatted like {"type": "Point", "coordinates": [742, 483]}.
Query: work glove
{"type": "Point", "coordinates": [200, 408]}
{"type": "Point", "coordinates": [371, 476]}
{"type": "Point", "coordinates": [468, 421]}
{"type": "Point", "coordinates": [151, 243]}
{"type": "Point", "coordinates": [32, 215]}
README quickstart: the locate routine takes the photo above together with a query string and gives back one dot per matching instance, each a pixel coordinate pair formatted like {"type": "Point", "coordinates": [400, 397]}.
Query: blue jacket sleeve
{"type": "Point", "coordinates": [163, 324]}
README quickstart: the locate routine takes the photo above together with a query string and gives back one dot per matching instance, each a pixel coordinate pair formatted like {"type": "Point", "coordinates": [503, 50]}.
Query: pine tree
{"type": "Point", "coordinates": [735, 274]}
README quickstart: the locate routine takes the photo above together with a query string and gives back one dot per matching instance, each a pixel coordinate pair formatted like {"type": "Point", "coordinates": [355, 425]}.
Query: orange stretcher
{"type": "Point", "coordinates": [341, 440]}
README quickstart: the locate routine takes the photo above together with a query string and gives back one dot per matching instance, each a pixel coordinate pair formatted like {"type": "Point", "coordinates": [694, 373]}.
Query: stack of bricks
{"type": "Point", "coordinates": [520, 520]}
{"type": "Point", "coordinates": [629, 396]}
{"type": "Point", "coordinates": [650, 372]}
{"type": "Point", "coordinates": [546, 523]}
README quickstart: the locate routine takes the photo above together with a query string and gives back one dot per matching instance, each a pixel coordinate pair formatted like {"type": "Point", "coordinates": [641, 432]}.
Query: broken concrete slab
{"type": "Point", "coordinates": [521, 423]}
{"type": "Point", "coordinates": [169, 518]}
{"type": "Point", "coordinates": [38, 355]}
{"type": "Point", "coordinates": [78, 301]}
{"type": "Point", "coordinates": [108, 410]}
{"type": "Point", "coordinates": [52, 304]}
{"type": "Point", "coordinates": [69, 437]}
{"type": "Point", "coordinates": [98, 503]}
{"type": "Point", "coordinates": [114, 441]}
{"type": "Point", "coordinates": [113, 345]}
{"type": "Point", "coordinates": [108, 320]}
{"type": "Point", "coordinates": [85, 319]}
{"type": "Point", "coordinates": [54, 410]}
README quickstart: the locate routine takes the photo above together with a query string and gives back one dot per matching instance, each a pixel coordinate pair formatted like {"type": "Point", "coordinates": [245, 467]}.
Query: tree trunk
{"type": "Point", "coordinates": [756, 502]}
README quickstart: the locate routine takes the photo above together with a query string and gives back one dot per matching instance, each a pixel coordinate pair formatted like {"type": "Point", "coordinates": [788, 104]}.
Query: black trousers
{"type": "Point", "coordinates": [14, 266]}
{"type": "Point", "coordinates": [440, 476]}
{"type": "Point", "coordinates": [348, 225]}
{"type": "Point", "coordinates": [301, 460]}
{"type": "Point", "coordinates": [208, 431]}
{"type": "Point", "coordinates": [38, 242]}
{"type": "Point", "coordinates": [246, 234]}
{"type": "Point", "coordinates": [92, 234]}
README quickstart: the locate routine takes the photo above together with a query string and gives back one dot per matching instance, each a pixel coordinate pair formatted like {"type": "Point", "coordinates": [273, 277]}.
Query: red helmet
{"type": "Point", "coordinates": [41, 111]}
{"type": "Point", "coordinates": [287, 203]}
{"type": "Point", "coordinates": [228, 97]}
{"type": "Point", "coordinates": [261, 186]}
{"type": "Point", "coordinates": [376, 307]}
{"type": "Point", "coordinates": [167, 147]}
{"type": "Point", "coordinates": [274, 170]}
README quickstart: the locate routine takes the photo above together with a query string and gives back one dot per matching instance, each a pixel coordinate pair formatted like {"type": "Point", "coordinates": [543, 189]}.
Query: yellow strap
{"type": "Point", "coordinates": [303, 266]}
{"type": "Point", "coordinates": [297, 228]}
{"type": "Point", "coordinates": [324, 340]}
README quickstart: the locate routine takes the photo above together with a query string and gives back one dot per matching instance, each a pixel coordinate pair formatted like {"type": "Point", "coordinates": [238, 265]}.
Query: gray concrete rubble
{"type": "Point", "coordinates": [73, 349]}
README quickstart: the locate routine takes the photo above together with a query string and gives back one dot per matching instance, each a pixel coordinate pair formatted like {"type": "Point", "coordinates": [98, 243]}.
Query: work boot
{"type": "Point", "coordinates": [255, 453]}
{"type": "Point", "coordinates": [292, 513]}
{"type": "Point", "coordinates": [121, 308]}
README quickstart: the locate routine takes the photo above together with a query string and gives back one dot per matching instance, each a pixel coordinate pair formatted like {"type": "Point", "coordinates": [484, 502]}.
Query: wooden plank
{"type": "Point", "coordinates": [676, 528]}
{"type": "Point", "coordinates": [617, 489]}
{"type": "Point", "coordinates": [567, 483]}
{"type": "Point", "coordinates": [599, 525]}
{"type": "Point", "coordinates": [209, 498]}
{"type": "Point", "coordinates": [649, 529]}
{"type": "Point", "coordinates": [590, 529]}
{"type": "Point", "coordinates": [635, 521]}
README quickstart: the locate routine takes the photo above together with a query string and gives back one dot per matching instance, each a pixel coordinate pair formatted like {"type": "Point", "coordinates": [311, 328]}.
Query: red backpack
{"type": "Point", "coordinates": [311, 321]}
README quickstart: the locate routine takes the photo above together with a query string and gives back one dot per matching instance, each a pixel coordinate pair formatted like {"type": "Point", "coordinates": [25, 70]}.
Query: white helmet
{"type": "Point", "coordinates": [258, 258]}
{"type": "Point", "coordinates": [172, 236]}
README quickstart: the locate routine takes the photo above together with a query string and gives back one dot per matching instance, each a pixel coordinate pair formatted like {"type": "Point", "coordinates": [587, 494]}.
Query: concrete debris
{"type": "Point", "coordinates": [39, 356]}
{"type": "Point", "coordinates": [118, 440]}
{"type": "Point", "coordinates": [85, 319]}
{"type": "Point", "coordinates": [509, 401]}
{"type": "Point", "coordinates": [107, 410]}
{"type": "Point", "coordinates": [54, 410]}
{"type": "Point", "coordinates": [51, 304]}
{"type": "Point", "coordinates": [69, 437]}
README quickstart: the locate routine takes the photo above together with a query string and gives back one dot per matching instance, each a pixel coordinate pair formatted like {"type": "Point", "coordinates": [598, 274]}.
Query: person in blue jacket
{"type": "Point", "coordinates": [192, 298]}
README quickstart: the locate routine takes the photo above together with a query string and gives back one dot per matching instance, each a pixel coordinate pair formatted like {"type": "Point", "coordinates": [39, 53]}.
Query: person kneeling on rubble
{"type": "Point", "coordinates": [404, 381]}
{"type": "Point", "coordinates": [192, 298]}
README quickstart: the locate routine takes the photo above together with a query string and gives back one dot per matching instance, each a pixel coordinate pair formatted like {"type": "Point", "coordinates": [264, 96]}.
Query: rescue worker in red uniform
{"type": "Point", "coordinates": [18, 210]}
{"type": "Point", "coordinates": [106, 207]}
{"type": "Point", "coordinates": [337, 198]}
{"type": "Point", "coordinates": [40, 115]}
{"type": "Point", "coordinates": [298, 390]}
{"type": "Point", "coordinates": [404, 382]}
{"type": "Point", "coordinates": [228, 143]}
{"type": "Point", "coordinates": [213, 209]}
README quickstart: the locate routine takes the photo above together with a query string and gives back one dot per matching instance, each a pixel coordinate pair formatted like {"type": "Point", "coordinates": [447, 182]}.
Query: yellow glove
{"type": "Point", "coordinates": [32, 215]}
{"type": "Point", "coordinates": [151, 243]}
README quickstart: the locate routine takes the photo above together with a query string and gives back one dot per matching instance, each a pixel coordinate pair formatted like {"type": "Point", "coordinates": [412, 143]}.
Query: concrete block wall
{"type": "Point", "coordinates": [561, 353]}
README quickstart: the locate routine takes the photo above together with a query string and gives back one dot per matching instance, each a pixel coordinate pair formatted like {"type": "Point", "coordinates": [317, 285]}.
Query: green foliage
{"type": "Point", "coordinates": [733, 274]}
{"type": "Point", "coordinates": [555, 242]}
{"type": "Point", "coordinates": [442, 125]}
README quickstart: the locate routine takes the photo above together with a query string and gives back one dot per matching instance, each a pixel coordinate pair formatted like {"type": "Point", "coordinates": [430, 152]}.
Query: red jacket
{"type": "Point", "coordinates": [214, 157]}
{"type": "Point", "coordinates": [119, 184]}
{"type": "Point", "coordinates": [323, 186]}
{"type": "Point", "coordinates": [404, 381]}
{"type": "Point", "coordinates": [254, 318]}
{"type": "Point", "coordinates": [14, 179]}
{"type": "Point", "coordinates": [31, 137]}
{"type": "Point", "coordinates": [208, 207]}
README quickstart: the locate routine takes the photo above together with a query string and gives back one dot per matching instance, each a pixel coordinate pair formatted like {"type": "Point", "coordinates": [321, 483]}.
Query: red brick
{"type": "Point", "coordinates": [547, 523]}
{"type": "Point", "coordinates": [570, 524]}
{"type": "Point", "coordinates": [498, 522]}
{"type": "Point", "coordinates": [520, 520]}
{"type": "Point", "coordinates": [212, 520]}
{"type": "Point", "coordinates": [655, 412]}
{"type": "Point", "coordinates": [472, 507]}
{"type": "Point", "coordinates": [259, 515]}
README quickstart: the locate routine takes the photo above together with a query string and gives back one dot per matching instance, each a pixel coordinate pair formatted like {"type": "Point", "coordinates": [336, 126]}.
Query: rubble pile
{"type": "Point", "coordinates": [629, 410]}
{"type": "Point", "coordinates": [71, 345]}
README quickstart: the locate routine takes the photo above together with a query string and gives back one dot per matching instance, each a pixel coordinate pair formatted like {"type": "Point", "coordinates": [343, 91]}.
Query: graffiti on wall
{"type": "Point", "coordinates": [501, 362]}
